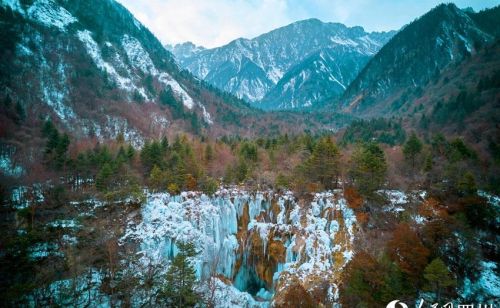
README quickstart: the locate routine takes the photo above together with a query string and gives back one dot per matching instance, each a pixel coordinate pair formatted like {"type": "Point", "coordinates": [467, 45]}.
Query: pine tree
{"type": "Point", "coordinates": [467, 184]}
{"type": "Point", "coordinates": [130, 152]}
{"type": "Point", "coordinates": [178, 290]}
{"type": "Point", "coordinates": [323, 165]}
{"type": "Point", "coordinates": [21, 113]}
{"type": "Point", "coordinates": [62, 151]}
{"type": "Point", "coordinates": [368, 168]}
{"type": "Point", "coordinates": [438, 277]}
{"type": "Point", "coordinates": [157, 178]}
{"type": "Point", "coordinates": [241, 171]}
{"type": "Point", "coordinates": [412, 149]}
{"type": "Point", "coordinates": [209, 153]}
{"type": "Point", "coordinates": [209, 186]}
{"type": "Point", "coordinates": [164, 144]}
{"type": "Point", "coordinates": [103, 177]}
{"type": "Point", "coordinates": [53, 140]}
{"type": "Point", "coordinates": [48, 128]}
{"type": "Point", "coordinates": [121, 156]}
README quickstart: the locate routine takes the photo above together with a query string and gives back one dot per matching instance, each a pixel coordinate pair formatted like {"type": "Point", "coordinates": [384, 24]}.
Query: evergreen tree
{"type": "Point", "coordinates": [62, 151]}
{"type": "Point", "coordinates": [438, 277]}
{"type": "Point", "coordinates": [467, 184]}
{"type": "Point", "coordinates": [209, 153]}
{"type": "Point", "coordinates": [323, 164]}
{"type": "Point", "coordinates": [248, 151]}
{"type": "Point", "coordinates": [21, 113]}
{"type": "Point", "coordinates": [130, 152]}
{"type": "Point", "coordinates": [7, 101]}
{"type": "Point", "coordinates": [368, 168]}
{"type": "Point", "coordinates": [241, 171]}
{"type": "Point", "coordinates": [178, 290]}
{"type": "Point", "coordinates": [412, 149]}
{"type": "Point", "coordinates": [121, 156]}
{"type": "Point", "coordinates": [102, 180]}
{"type": "Point", "coordinates": [164, 144]}
{"type": "Point", "coordinates": [209, 186]}
{"type": "Point", "coordinates": [157, 178]}
{"type": "Point", "coordinates": [48, 128]}
{"type": "Point", "coordinates": [53, 141]}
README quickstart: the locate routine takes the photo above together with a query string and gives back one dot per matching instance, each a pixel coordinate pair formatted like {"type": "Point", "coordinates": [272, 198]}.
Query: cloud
{"type": "Point", "coordinates": [208, 23]}
{"type": "Point", "coordinates": [213, 23]}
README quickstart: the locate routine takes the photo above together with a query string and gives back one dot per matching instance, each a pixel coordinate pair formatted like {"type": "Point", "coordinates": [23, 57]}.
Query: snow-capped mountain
{"type": "Point", "coordinates": [323, 75]}
{"type": "Point", "coordinates": [184, 50]}
{"type": "Point", "coordinates": [414, 57]}
{"type": "Point", "coordinates": [97, 71]}
{"type": "Point", "coordinates": [286, 62]}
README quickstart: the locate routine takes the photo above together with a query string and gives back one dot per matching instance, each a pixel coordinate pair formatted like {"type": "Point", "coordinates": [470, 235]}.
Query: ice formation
{"type": "Point", "coordinates": [316, 238]}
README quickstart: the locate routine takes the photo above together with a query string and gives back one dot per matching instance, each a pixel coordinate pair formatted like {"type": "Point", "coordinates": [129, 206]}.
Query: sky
{"type": "Point", "coordinates": [213, 23]}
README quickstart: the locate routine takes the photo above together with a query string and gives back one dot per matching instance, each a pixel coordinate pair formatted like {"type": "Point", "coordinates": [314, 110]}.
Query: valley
{"type": "Point", "coordinates": [315, 165]}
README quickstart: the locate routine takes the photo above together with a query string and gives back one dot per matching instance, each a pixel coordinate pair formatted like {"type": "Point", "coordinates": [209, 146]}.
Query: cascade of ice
{"type": "Point", "coordinates": [308, 232]}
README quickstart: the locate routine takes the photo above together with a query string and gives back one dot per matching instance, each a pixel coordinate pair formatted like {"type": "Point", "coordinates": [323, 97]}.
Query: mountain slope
{"type": "Point", "coordinates": [466, 95]}
{"type": "Point", "coordinates": [417, 54]}
{"type": "Point", "coordinates": [322, 75]}
{"type": "Point", "coordinates": [97, 72]}
{"type": "Point", "coordinates": [251, 68]}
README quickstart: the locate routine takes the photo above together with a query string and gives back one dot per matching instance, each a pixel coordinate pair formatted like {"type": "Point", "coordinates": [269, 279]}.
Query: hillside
{"type": "Point", "coordinates": [262, 70]}
{"type": "Point", "coordinates": [411, 59]}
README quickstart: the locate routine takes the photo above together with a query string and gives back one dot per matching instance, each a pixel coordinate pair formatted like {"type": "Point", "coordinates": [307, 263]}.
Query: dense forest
{"type": "Point", "coordinates": [393, 259]}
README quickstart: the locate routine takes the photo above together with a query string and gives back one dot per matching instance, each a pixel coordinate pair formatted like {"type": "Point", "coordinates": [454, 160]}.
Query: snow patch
{"type": "Point", "coordinates": [167, 80]}
{"type": "Point", "coordinates": [137, 56]}
{"type": "Point", "coordinates": [48, 13]}
{"type": "Point", "coordinates": [10, 168]}
{"type": "Point", "coordinates": [94, 52]}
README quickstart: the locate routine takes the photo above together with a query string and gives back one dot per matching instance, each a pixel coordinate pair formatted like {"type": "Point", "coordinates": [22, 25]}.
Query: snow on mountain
{"type": "Point", "coordinates": [252, 69]}
{"type": "Point", "coordinates": [415, 56]}
{"type": "Point", "coordinates": [94, 52]}
{"type": "Point", "coordinates": [50, 14]}
{"type": "Point", "coordinates": [321, 76]}
{"type": "Point", "coordinates": [184, 50]}
{"type": "Point", "coordinates": [78, 63]}
{"type": "Point", "coordinates": [137, 56]}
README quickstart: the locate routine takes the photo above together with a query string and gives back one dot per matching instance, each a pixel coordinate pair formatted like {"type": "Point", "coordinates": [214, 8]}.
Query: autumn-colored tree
{"type": "Point", "coordinates": [355, 202]}
{"type": "Point", "coordinates": [407, 250]}
{"type": "Point", "coordinates": [191, 183]}
{"type": "Point", "coordinates": [296, 296]}
{"type": "Point", "coordinates": [173, 189]}
{"type": "Point", "coordinates": [363, 283]}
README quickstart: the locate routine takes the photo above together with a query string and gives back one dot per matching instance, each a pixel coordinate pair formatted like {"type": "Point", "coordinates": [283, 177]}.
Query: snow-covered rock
{"type": "Point", "coordinates": [316, 238]}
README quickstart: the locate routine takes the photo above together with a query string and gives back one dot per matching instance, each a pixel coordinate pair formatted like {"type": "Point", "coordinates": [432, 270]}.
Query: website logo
{"type": "Point", "coordinates": [396, 304]}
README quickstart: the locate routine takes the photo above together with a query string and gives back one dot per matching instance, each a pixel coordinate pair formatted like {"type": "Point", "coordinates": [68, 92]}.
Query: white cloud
{"type": "Point", "coordinates": [213, 23]}
{"type": "Point", "coordinates": [208, 23]}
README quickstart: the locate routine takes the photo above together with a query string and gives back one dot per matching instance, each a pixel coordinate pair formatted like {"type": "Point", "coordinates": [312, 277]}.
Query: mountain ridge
{"type": "Point", "coordinates": [410, 60]}
{"type": "Point", "coordinates": [251, 68]}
